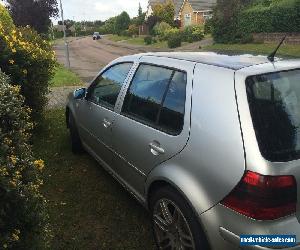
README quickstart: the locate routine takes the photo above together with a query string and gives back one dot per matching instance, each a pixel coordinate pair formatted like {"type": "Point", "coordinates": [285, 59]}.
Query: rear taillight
{"type": "Point", "coordinates": [263, 197]}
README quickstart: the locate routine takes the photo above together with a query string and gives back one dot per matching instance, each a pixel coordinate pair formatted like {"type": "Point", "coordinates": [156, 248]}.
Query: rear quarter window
{"type": "Point", "coordinates": [274, 101]}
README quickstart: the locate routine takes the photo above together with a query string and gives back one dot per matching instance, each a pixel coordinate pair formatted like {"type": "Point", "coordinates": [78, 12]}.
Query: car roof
{"type": "Point", "coordinates": [234, 62]}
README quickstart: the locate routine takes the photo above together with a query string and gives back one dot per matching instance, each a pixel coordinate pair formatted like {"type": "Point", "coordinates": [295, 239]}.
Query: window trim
{"type": "Point", "coordinates": [100, 74]}
{"type": "Point", "coordinates": [143, 121]}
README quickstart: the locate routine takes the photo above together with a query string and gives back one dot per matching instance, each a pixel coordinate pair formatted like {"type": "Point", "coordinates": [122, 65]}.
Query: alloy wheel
{"type": "Point", "coordinates": [171, 228]}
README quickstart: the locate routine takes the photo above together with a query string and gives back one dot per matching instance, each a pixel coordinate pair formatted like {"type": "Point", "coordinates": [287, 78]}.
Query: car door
{"type": "Point", "coordinates": [154, 121]}
{"type": "Point", "coordinates": [96, 111]}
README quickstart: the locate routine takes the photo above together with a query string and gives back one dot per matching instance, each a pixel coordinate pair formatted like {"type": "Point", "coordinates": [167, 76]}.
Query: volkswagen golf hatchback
{"type": "Point", "coordinates": [209, 143]}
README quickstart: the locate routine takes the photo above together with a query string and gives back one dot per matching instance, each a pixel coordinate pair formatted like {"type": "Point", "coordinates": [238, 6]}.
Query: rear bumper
{"type": "Point", "coordinates": [223, 227]}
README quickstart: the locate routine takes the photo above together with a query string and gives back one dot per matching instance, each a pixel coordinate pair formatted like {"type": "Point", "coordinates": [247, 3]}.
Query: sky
{"type": "Point", "coordinates": [100, 9]}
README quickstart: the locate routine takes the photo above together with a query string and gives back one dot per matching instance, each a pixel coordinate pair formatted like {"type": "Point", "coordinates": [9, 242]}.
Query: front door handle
{"type": "Point", "coordinates": [106, 123]}
{"type": "Point", "coordinates": [156, 149]}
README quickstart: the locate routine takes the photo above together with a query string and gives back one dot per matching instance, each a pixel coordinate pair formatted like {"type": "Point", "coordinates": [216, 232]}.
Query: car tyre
{"type": "Point", "coordinates": [76, 144]}
{"type": "Point", "coordinates": [175, 226]}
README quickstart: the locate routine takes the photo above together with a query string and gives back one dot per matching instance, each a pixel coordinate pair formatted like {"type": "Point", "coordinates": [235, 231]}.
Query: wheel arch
{"type": "Point", "coordinates": [159, 178]}
{"type": "Point", "coordinates": [182, 181]}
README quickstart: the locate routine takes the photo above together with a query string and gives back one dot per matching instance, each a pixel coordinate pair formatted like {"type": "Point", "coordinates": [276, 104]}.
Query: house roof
{"type": "Point", "coordinates": [199, 5]}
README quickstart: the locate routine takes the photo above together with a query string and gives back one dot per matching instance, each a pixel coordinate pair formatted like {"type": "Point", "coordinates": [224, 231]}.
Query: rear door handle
{"type": "Point", "coordinates": [106, 123]}
{"type": "Point", "coordinates": [156, 149]}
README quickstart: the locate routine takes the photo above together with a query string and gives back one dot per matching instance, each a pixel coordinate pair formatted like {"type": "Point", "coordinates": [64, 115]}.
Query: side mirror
{"type": "Point", "coordinates": [79, 93]}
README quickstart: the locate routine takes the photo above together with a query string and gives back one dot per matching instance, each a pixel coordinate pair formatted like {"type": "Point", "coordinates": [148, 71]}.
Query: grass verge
{"type": "Point", "coordinates": [137, 41]}
{"type": "Point", "coordinates": [88, 208]}
{"type": "Point", "coordinates": [286, 50]}
{"type": "Point", "coordinates": [65, 77]}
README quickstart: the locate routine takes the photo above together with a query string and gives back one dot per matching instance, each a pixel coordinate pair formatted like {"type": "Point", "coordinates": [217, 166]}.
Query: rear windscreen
{"type": "Point", "coordinates": [274, 101]}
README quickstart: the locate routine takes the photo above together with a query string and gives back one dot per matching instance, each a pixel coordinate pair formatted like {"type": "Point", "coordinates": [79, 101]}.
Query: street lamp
{"type": "Point", "coordinates": [65, 36]}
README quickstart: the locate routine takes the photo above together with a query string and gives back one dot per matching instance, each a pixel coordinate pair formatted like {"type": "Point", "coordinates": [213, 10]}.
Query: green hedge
{"type": "Point", "coordinates": [280, 16]}
{"type": "Point", "coordinates": [192, 33]}
{"type": "Point", "coordinates": [23, 214]}
{"type": "Point", "coordinates": [236, 23]}
{"type": "Point", "coordinates": [174, 40]}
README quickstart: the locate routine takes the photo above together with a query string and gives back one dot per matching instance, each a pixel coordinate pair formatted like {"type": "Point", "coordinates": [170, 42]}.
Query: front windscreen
{"type": "Point", "coordinates": [274, 101]}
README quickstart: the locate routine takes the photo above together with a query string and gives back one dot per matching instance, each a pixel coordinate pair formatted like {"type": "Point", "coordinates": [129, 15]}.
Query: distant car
{"type": "Point", "coordinates": [96, 36]}
{"type": "Point", "coordinates": [209, 143]}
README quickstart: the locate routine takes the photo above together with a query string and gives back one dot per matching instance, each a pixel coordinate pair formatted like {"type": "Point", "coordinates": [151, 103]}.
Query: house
{"type": "Point", "coordinates": [188, 12]}
{"type": "Point", "coordinates": [195, 11]}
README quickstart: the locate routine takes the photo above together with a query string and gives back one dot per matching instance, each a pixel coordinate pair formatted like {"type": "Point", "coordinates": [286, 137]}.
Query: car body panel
{"type": "Point", "coordinates": [92, 120]}
{"type": "Point", "coordinates": [224, 226]}
{"type": "Point", "coordinates": [134, 159]}
{"type": "Point", "coordinates": [215, 148]}
{"type": "Point", "coordinates": [91, 127]}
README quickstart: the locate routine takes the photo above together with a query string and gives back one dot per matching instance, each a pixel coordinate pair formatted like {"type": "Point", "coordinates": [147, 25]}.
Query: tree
{"type": "Point", "coordinates": [35, 13]}
{"type": "Point", "coordinates": [152, 21]}
{"type": "Point", "coordinates": [165, 12]}
{"type": "Point", "coordinates": [122, 22]}
{"type": "Point", "coordinates": [140, 10]}
{"type": "Point", "coordinates": [224, 22]}
{"type": "Point", "coordinates": [109, 26]}
{"type": "Point", "coordinates": [141, 16]}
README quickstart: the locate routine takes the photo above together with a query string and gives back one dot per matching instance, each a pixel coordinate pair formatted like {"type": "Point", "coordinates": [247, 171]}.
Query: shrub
{"type": "Point", "coordinates": [29, 61]}
{"type": "Point", "coordinates": [171, 33]}
{"type": "Point", "coordinates": [124, 33]}
{"type": "Point", "coordinates": [193, 33]}
{"type": "Point", "coordinates": [174, 40]}
{"type": "Point", "coordinates": [208, 26]}
{"type": "Point", "coordinates": [148, 40]}
{"type": "Point", "coordinates": [133, 30]}
{"type": "Point", "coordinates": [23, 217]}
{"type": "Point", "coordinates": [160, 29]}
{"type": "Point", "coordinates": [279, 16]}
{"type": "Point", "coordinates": [6, 18]}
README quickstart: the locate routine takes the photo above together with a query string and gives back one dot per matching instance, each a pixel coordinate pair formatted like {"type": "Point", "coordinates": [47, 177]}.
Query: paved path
{"type": "Point", "coordinates": [58, 96]}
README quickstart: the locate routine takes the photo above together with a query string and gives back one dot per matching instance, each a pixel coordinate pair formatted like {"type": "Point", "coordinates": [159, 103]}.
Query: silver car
{"type": "Point", "coordinates": [209, 143]}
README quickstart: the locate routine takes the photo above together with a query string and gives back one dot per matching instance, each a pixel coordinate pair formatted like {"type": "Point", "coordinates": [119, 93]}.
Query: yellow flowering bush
{"type": "Point", "coordinates": [23, 216]}
{"type": "Point", "coordinates": [28, 60]}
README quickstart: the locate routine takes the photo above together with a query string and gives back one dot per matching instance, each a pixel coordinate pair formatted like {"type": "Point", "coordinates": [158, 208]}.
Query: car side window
{"type": "Point", "coordinates": [107, 86]}
{"type": "Point", "coordinates": [156, 97]}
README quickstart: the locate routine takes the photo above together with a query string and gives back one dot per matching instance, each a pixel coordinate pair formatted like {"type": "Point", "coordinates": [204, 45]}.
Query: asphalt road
{"type": "Point", "coordinates": [87, 56]}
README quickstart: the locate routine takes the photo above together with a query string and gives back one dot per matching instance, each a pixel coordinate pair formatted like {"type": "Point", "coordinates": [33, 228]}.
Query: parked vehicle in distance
{"type": "Point", "coordinates": [209, 143]}
{"type": "Point", "coordinates": [96, 36]}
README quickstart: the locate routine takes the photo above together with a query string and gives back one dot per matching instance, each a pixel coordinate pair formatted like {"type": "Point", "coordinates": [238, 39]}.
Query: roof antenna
{"type": "Point", "coordinates": [272, 55]}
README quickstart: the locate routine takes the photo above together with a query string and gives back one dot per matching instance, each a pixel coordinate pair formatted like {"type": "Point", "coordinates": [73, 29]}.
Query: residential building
{"type": "Point", "coordinates": [188, 12]}
{"type": "Point", "coordinates": [195, 11]}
